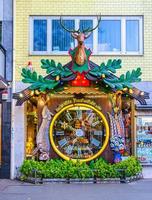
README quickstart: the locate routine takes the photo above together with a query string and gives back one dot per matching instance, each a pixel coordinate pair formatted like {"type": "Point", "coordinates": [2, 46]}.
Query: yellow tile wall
{"type": "Point", "coordinates": [25, 8]}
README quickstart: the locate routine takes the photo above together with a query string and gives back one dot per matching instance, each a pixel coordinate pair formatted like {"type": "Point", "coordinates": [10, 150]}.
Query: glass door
{"type": "Point", "coordinates": [144, 139]}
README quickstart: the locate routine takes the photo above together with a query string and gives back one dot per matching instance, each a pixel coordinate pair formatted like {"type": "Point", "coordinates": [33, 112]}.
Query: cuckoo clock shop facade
{"type": "Point", "coordinates": [78, 122]}
{"type": "Point", "coordinates": [79, 110]}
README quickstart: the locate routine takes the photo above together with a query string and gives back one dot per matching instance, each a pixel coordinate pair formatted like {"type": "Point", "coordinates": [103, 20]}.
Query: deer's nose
{"type": "Point", "coordinates": [81, 42]}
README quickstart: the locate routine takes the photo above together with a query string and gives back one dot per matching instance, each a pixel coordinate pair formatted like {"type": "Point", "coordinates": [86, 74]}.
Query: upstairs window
{"type": "Point", "coordinates": [61, 39]}
{"type": "Point", "coordinates": [132, 36]}
{"type": "Point", "coordinates": [114, 35]}
{"type": "Point", "coordinates": [84, 24]}
{"type": "Point", "coordinates": [40, 35]}
{"type": "Point", "coordinates": [109, 36]}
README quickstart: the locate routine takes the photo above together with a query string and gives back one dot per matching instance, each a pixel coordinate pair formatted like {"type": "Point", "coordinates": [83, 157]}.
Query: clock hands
{"type": "Point", "coordinates": [68, 116]}
{"type": "Point", "coordinates": [65, 126]}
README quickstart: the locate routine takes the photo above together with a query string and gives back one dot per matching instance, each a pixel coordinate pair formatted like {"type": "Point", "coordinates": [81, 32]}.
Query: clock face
{"type": "Point", "coordinates": [79, 131]}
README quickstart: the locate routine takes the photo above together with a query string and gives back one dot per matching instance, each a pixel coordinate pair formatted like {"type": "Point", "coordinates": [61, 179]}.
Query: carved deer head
{"type": "Point", "coordinates": [80, 36]}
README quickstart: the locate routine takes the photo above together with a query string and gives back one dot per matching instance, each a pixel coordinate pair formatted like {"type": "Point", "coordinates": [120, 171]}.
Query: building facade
{"type": "Point", "coordinates": [6, 63]}
{"type": "Point", "coordinates": [124, 32]}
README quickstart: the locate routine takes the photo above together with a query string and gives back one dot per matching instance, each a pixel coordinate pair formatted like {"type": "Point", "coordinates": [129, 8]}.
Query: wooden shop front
{"type": "Point", "coordinates": [78, 125]}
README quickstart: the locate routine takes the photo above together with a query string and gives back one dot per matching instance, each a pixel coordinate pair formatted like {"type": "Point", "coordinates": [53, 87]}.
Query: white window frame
{"type": "Point", "coordinates": [123, 19]}
{"type": "Point", "coordinates": [49, 33]}
{"type": "Point", "coordinates": [141, 39]}
{"type": "Point", "coordinates": [121, 42]}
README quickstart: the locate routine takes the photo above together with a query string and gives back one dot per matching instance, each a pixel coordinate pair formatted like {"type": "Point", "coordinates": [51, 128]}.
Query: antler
{"type": "Point", "coordinates": [90, 30]}
{"type": "Point", "coordinates": [78, 31]}
{"type": "Point", "coordinates": [61, 23]}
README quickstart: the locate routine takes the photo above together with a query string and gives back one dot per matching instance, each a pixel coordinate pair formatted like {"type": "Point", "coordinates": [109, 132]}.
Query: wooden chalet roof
{"type": "Point", "coordinates": [81, 90]}
{"type": "Point", "coordinates": [26, 93]}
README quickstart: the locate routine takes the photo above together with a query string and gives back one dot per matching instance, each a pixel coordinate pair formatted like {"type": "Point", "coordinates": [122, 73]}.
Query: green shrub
{"type": "Point", "coordinates": [102, 169]}
{"type": "Point", "coordinates": [52, 169]}
{"type": "Point", "coordinates": [131, 165]}
{"type": "Point", "coordinates": [29, 166]}
{"type": "Point", "coordinates": [57, 168]}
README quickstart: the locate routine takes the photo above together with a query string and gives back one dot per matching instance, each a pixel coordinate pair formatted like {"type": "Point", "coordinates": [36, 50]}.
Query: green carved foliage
{"type": "Point", "coordinates": [59, 72]}
{"type": "Point", "coordinates": [124, 80]}
{"type": "Point", "coordinates": [112, 81]}
{"type": "Point", "coordinates": [42, 83]}
{"type": "Point", "coordinates": [55, 69]}
{"type": "Point", "coordinates": [37, 81]}
{"type": "Point", "coordinates": [110, 67]}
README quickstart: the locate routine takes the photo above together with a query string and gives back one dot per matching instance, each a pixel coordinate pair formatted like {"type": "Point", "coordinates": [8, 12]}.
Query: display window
{"type": "Point", "coordinates": [31, 128]}
{"type": "Point", "coordinates": [126, 113]}
{"type": "Point", "coordinates": [144, 139]}
{"type": "Point", "coordinates": [78, 131]}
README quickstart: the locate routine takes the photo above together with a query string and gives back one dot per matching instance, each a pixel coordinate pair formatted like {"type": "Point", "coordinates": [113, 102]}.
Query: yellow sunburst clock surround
{"type": "Point", "coordinates": [79, 132]}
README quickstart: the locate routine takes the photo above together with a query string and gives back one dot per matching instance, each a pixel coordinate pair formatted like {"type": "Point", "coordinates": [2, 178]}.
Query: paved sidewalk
{"type": "Point", "coordinates": [147, 172]}
{"type": "Point", "coordinates": [4, 183]}
{"type": "Point", "coordinates": [14, 190]}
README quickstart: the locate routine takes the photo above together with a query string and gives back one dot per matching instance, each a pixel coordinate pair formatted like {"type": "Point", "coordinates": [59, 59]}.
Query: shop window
{"type": "Point", "coordinates": [31, 128]}
{"type": "Point", "coordinates": [144, 139]}
{"type": "Point", "coordinates": [114, 36]}
{"type": "Point", "coordinates": [126, 113]}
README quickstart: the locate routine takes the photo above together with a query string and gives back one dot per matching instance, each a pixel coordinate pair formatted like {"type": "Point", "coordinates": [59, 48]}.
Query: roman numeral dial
{"type": "Point", "coordinates": [78, 132]}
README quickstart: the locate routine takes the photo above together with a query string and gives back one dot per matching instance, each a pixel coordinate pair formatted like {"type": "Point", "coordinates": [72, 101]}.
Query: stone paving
{"type": "Point", "coordinates": [14, 190]}
{"type": "Point", "coordinates": [147, 172]}
{"type": "Point", "coordinates": [5, 183]}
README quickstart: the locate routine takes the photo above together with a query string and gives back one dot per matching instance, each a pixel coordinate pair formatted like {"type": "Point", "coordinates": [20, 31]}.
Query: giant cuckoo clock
{"type": "Point", "coordinates": [78, 128]}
